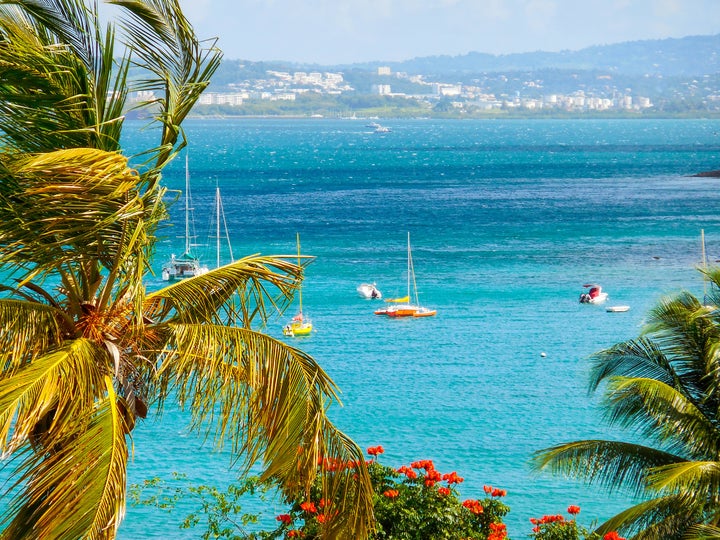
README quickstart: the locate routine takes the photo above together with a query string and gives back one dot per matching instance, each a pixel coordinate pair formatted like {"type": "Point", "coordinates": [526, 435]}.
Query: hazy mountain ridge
{"type": "Point", "coordinates": [688, 56]}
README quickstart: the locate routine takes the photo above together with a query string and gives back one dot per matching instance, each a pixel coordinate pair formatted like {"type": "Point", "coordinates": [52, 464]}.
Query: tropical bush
{"type": "Point", "coordinates": [412, 502]}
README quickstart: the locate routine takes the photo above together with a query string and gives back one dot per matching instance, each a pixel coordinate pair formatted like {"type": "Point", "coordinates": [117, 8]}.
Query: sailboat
{"type": "Point", "coordinates": [409, 305]}
{"type": "Point", "coordinates": [299, 325]}
{"type": "Point", "coordinates": [186, 265]}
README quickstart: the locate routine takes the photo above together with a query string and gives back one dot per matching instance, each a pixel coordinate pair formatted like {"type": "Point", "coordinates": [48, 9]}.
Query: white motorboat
{"type": "Point", "coordinates": [369, 290]}
{"type": "Point", "coordinates": [617, 309]}
{"type": "Point", "coordinates": [594, 295]}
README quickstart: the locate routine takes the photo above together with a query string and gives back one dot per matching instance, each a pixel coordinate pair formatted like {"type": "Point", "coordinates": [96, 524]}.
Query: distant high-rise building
{"type": "Point", "coordinates": [384, 70]}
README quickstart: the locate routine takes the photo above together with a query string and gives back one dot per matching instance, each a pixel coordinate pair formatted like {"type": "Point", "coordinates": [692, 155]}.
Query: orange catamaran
{"type": "Point", "coordinates": [407, 306]}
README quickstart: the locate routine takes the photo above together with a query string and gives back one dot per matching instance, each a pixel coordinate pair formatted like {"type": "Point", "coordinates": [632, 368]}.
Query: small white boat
{"type": "Point", "coordinates": [595, 294]}
{"type": "Point", "coordinates": [369, 290]}
{"type": "Point", "coordinates": [617, 309]}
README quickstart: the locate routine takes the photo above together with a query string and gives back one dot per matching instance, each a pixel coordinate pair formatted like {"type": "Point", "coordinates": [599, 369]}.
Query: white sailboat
{"type": "Point", "coordinates": [300, 325]}
{"type": "Point", "coordinates": [409, 305]}
{"type": "Point", "coordinates": [188, 264]}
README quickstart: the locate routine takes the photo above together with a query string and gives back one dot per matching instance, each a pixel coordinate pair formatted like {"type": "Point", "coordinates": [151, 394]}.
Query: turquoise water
{"type": "Point", "coordinates": [508, 219]}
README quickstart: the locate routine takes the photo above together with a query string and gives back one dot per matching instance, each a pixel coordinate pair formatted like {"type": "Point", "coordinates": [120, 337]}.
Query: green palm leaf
{"type": "Point", "coordinates": [664, 386]}
{"type": "Point", "coordinates": [237, 293]}
{"type": "Point", "coordinates": [269, 399]}
{"type": "Point", "coordinates": [63, 89]}
{"type": "Point", "coordinates": [84, 500]}
{"type": "Point", "coordinates": [84, 350]}
{"type": "Point", "coordinates": [663, 414]}
{"type": "Point", "coordinates": [180, 67]}
{"type": "Point", "coordinates": [68, 205]}
{"type": "Point", "coordinates": [612, 464]}
{"type": "Point", "coordinates": [29, 329]}
{"type": "Point", "coordinates": [41, 399]}
{"type": "Point", "coordinates": [666, 518]}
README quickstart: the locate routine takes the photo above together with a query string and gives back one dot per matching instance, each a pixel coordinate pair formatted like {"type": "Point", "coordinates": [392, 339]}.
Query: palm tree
{"type": "Point", "coordinates": [664, 385]}
{"type": "Point", "coordinates": [85, 349]}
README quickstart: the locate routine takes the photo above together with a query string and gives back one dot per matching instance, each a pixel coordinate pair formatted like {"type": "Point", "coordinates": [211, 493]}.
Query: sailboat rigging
{"type": "Point", "coordinates": [409, 305]}
{"type": "Point", "coordinates": [221, 230]}
{"type": "Point", "coordinates": [300, 325]}
{"type": "Point", "coordinates": [186, 265]}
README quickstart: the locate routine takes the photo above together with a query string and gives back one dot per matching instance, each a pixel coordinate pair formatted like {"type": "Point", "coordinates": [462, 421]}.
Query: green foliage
{"type": "Point", "coordinates": [414, 502]}
{"type": "Point", "coordinates": [219, 512]}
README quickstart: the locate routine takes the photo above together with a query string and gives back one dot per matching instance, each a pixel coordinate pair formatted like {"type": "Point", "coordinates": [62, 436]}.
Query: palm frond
{"type": "Point", "coordinates": [78, 489]}
{"type": "Point", "coordinates": [663, 414]}
{"type": "Point", "coordinates": [60, 73]}
{"type": "Point", "coordinates": [69, 205]}
{"type": "Point", "coordinates": [612, 464]}
{"type": "Point", "coordinates": [179, 64]}
{"type": "Point", "coordinates": [667, 518]}
{"type": "Point", "coordinates": [696, 479]}
{"type": "Point", "coordinates": [270, 400]}
{"type": "Point", "coordinates": [702, 532]}
{"type": "Point", "coordinates": [252, 287]}
{"type": "Point", "coordinates": [632, 358]}
{"type": "Point", "coordinates": [28, 330]}
{"type": "Point", "coordinates": [41, 401]}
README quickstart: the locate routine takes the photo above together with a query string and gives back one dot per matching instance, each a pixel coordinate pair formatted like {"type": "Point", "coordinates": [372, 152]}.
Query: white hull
{"type": "Point", "coordinates": [369, 290]}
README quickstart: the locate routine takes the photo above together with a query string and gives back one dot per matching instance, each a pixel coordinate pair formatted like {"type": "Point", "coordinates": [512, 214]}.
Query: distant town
{"type": "Point", "coordinates": [285, 86]}
{"type": "Point", "coordinates": [662, 78]}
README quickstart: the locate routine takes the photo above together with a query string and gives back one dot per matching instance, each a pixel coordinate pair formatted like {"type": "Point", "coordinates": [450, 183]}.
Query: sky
{"type": "Point", "coordinates": [330, 32]}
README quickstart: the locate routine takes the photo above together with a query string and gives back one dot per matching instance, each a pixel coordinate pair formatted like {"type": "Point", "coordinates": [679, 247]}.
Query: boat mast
{"type": "Point", "coordinates": [411, 272]}
{"type": "Point", "coordinates": [187, 204]}
{"type": "Point", "coordinates": [217, 225]}
{"type": "Point", "coordinates": [300, 287]}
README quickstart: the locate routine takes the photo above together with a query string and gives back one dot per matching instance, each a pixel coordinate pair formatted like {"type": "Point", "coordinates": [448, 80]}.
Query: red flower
{"type": "Point", "coordinates": [322, 518]}
{"type": "Point", "coordinates": [391, 493]}
{"type": "Point", "coordinates": [284, 518]}
{"type": "Point", "coordinates": [294, 534]}
{"type": "Point", "coordinates": [452, 478]}
{"type": "Point", "coordinates": [474, 506]}
{"type": "Point", "coordinates": [430, 483]}
{"type": "Point", "coordinates": [499, 531]}
{"type": "Point", "coordinates": [573, 510]}
{"type": "Point", "coordinates": [443, 491]}
{"type": "Point", "coordinates": [309, 506]}
{"type": "Point", "coordinates": [487, 489]}
{"type": "Point", "coordinates": [412, 475]}
{"type": "Point", "coordinates": [498, 492]}
{"type": "Point", "coordinates": [375, 450]}
{"type": "Point", "coordinates": [433, 475]}
{"type": "Point", "coordinates": [612, 535]}
{"type": "Point", "coordinates": [426, 464]}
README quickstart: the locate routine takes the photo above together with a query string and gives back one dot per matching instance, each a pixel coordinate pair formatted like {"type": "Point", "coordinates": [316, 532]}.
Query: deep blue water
{"type": "Point", "coordinates": [508, 219]}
